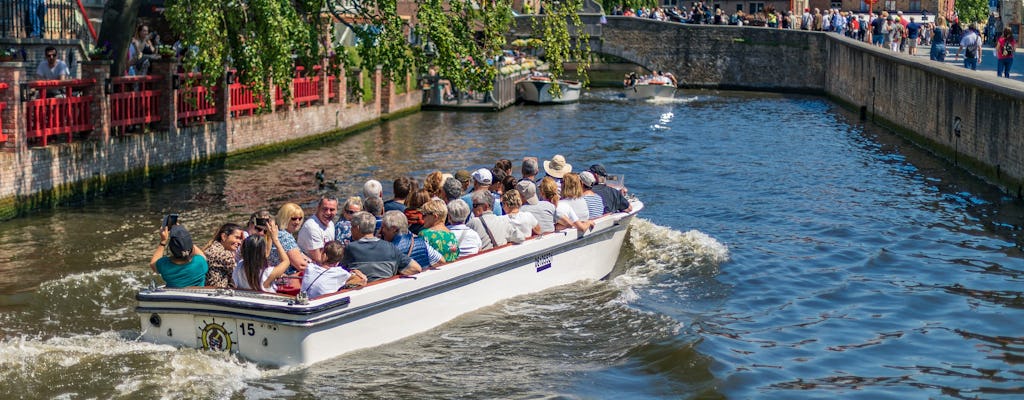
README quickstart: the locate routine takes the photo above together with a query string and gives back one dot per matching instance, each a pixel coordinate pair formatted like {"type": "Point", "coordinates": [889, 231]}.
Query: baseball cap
{"type": "Point", "coordinates": [482, 175]}
{"type": "Point", "coordinates": [180, 243]}
{"type": "Point", "coordinates": [529, 192]}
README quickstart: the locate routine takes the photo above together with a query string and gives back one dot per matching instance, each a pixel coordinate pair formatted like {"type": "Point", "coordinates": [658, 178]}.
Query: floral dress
{"type": "Point", "coordinates": [442, 241]}
{"type": "Point", "coordinates": [222, 264]}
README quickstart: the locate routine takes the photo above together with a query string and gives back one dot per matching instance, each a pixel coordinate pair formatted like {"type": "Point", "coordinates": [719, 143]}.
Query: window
{"type": "Point", "coordinates": [756, 7]}
{"type": "Point", "coordinates": [915, 5]}
{"type": "Point", "coordinates": [837, 4]}
{"type": "Point", "coordinates": [739, 7]}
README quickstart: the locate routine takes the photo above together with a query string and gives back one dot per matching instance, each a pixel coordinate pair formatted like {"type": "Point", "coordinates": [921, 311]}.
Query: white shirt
{"type": "Point", "coordinates": [59, 70]}
{"type": "Point", "coordinates": [313, 235]}
{"type": "Point", "coordinates": [523, 221]}
{"type": "Point", "coordinates": [318, 280]}
{"type": "Point", "coordinates": [238, 276]}
{"type": "Point", "coordinates": [563, 209]}
{"type": "Point", "coordinates": [469, 240]}
{"type": "Point", "coordinates": [579, 206]}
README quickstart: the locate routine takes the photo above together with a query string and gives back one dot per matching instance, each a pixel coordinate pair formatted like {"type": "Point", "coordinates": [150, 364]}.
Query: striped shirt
{"type": "Point", "coordinates": [424, 255]}
{"type": "Point", "coordinates": [594, 205]}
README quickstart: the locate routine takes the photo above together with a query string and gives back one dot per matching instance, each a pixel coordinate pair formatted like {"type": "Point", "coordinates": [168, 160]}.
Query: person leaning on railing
{"type": "Point", "coordinates": [52, 68]}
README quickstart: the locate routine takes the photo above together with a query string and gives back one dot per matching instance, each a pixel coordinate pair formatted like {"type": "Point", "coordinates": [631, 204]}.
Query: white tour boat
{"type": "Point", "coordinates": [642, 91]}
{"type": "Point", "coordinates": [281, 330]}
{"type": "Point", "coordinates": [536, 89]}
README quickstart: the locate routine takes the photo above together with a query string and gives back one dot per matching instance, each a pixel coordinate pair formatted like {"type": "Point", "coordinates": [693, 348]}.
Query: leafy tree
{"type": "Point", "coordinates": [266, 39]}
{"type": "Point", "coordinates": [972, 10]}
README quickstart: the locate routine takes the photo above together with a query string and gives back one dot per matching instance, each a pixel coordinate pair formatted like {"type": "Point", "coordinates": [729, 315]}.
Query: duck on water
{"type": "Point", "coordinates": [282, 324]}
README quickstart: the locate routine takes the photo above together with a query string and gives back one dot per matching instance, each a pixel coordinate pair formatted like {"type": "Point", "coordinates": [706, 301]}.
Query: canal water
{"type": "Point", "coordinates": [786, 251]}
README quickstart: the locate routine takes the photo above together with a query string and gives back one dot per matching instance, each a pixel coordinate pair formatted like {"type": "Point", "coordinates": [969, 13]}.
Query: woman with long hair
{"type": "Point", "coordinates": [254, 271]}
{"type": "Point", "coordinates": [291, 217]}
{"type": "Point", "coordinates": [1005, 47]}
{"type": "Point", "coordinates": [939, 36]}
{"type": "Point", "coordinates": [572, 194]}
{"type": "Point", "coordinates": [220, 254]}
{"type": "Point", "coordinates": [412, 209]}
{"type": "Point", "coordinates": [565, 217]}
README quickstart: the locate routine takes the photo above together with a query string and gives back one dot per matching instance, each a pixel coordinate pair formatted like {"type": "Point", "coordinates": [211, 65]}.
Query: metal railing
{"type": "Point", "coordinates": [195, 102]}
{"type": "Point", "coordinates": [56, 19]}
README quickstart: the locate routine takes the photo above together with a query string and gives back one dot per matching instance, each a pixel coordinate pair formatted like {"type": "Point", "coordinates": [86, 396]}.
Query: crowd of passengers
{"type": "Point", "coordinates": [448, 217]}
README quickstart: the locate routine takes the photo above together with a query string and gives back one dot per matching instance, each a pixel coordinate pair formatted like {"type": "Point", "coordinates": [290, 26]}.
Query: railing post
{"type": "Point", "coordinates": [376, 90]}
{"type": "Point", "coordinates": [387, 95]}
{"type": "Point", "coordinates": [100, 106]}
{"type": "Point", "coordinates": [342, 88]}
{"type": "Point", "coordinates": [168, 69]}
{"type": "Point", "coordinates": [13, 116]}
{"type": "Point", "coordinates": [325, 86]}
{"type": "Point", "coordinates": [222, 97]}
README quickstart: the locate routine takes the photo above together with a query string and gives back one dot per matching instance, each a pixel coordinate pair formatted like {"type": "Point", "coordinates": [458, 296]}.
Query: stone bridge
{"type": "Point", "coordinates": [714, 56]}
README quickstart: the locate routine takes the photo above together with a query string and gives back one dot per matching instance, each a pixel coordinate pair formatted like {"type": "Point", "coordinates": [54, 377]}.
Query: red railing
{"type": "Point", "coordinates": [133, 100]}
{"type": "Point", "coordinates": [332, 87]}
{"type": "Point", "coordinates": [278, 96]}
{"type": "Point", "coordinates": [194, 101]}
{"type": "Point", "coordinates": [57, 108]}
{"type": "Point", "coordinates": [3, 106]}
{"type": "Point", "coordinates": [306, 89]}
{"type": "Point", "coordinates": [244, 102]}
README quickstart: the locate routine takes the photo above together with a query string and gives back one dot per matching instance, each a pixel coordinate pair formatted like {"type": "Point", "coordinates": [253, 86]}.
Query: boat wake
{"type": "Point", "coordinates": [671, 100]}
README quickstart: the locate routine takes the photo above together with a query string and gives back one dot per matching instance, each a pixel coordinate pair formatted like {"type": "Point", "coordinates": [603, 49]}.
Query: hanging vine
{"type": "Point", "coordinates": [562, 18]}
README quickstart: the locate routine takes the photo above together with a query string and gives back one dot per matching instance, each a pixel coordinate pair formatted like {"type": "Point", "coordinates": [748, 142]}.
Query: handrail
{"type": "Point", "coordinates": [88, 22]}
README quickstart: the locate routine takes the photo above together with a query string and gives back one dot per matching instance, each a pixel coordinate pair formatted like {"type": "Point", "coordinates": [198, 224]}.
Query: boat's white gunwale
{"type": "Point", "coordinates": [336, 309]}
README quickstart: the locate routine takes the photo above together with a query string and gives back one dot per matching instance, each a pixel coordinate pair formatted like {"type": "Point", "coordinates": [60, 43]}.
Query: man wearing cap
{"type": "Point", "coordinates": [482, 179]}
{"type": "Point", "coordinates": [613, 199]}
{"type": "Point", "coordinates": [318, 229]}
{"type": "Point", "coordinates": [543, 211]}
{"type": "Point", "coordinates": [186, 266]}
{"type": "Point", "coordinates": [494, 231]}
{"type": "Point", "coordinates": [464, 178]}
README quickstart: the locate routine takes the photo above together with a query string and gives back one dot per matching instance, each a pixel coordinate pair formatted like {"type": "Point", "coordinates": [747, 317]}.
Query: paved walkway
{"type": "Point", "coordinates": [987, 64]}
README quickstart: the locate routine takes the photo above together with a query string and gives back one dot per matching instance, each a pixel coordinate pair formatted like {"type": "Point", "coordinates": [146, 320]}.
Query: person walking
{"type": "Point", "coordinates": [939, 35]}
{"type": "Point", "coordinates": [970, 45]}
{"type": "Point", "coordinates": [1005, 47]}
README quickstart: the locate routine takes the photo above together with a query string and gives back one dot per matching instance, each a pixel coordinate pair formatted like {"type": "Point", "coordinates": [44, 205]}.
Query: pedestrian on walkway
{"type": "Point", "coordinates": [970, 45]}
{"type": "Point", "coordinates": [939, 35]}
{"type": "Point", "coordinates": [1005, 47]}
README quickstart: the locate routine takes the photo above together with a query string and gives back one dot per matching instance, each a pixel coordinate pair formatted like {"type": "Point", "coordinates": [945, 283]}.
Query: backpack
{"type": "Point", "coordinates": [972, 49]}
{"type": "Point", "coordinates": [1007, 49]}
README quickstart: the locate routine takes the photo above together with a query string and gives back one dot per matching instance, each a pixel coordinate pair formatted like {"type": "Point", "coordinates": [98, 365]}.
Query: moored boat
{"type": "Point", "coordinates": [537, 90]}
{"type": "Point", "coordinates": [280, 330]}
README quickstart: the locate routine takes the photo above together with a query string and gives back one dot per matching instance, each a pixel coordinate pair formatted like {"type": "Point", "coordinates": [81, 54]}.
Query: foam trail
{"type": "Point", "coordinates": [661, 250]}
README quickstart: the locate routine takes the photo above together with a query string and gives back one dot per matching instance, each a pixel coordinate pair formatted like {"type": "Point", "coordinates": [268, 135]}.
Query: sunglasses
{"type": "Point", "coordinates": [297, 218]}
{"type": "Point", "coordinates": [350, 212]}
{"type": "Point", "coordinates": [53, 55]}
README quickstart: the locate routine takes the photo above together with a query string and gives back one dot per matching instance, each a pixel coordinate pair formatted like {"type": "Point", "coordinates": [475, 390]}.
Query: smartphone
{"type": "Point", "coordinates": [170, 220]}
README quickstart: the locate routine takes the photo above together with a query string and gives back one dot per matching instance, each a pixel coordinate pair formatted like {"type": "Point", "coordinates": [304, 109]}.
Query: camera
{"type": "Point", "coordinates": [262, 222]}
{"type": "Point", "coordinates": [170, 220]}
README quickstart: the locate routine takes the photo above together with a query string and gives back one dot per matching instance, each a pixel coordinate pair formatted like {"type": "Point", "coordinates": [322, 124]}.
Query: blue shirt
{"type": "Point", "coordinates": [287, 241]}
{"type": "Point", "coordinates": [913, 29]}
{"type": "Point", "coordinates": [183, 275]}
{"type": "Point", "coordinates": [343, 231]}
{"type": "Point", "coordinates": [424, 255]}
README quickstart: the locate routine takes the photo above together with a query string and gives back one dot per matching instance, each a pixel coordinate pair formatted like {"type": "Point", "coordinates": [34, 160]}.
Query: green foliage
{"type": "Point", "coordinates": [266, 39]}
{"type": "Point", "coordinates": [559, 45]}
{"type": "Point", "coordinates": [609, 5]}
{"type": "Point", "coordinates": [972, 10]}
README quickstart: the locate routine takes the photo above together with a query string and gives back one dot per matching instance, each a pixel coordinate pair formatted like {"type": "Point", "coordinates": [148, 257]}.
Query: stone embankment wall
{"type": "Point", "coordinates": [919, 98]}
{"type": "Point", "coordinates": [972, 117]}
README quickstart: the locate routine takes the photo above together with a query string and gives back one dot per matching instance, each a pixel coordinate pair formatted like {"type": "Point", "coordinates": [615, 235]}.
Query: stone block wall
{"type": "Point", "coordinates": [931, 102]}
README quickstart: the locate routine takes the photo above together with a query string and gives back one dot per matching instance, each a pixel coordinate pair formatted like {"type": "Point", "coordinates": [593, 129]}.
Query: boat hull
{"type": "Point", "coordinates": [536, 91]}
{"type": "Point", "coordinates": [644, 91]}
{"type": "Point", "coordinates": [279, 331]}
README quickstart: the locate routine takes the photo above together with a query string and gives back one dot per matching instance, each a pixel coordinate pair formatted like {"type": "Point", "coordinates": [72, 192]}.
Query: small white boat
{"type": "Point", "coordinates": [642, 91]}
{"type": "Point", "coordinates": [281, 330]}
{"type": "Point", "coordinates": [536, 90]}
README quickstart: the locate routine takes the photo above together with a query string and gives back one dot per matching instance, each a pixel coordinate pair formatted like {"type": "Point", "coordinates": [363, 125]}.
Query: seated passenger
{"type": "Point", "coordinates": [186, 266]}
{"type": "Point", "coordinates": [613, 199]}
{"type": "Point", "coordinates": [434, 231]}
{"type": "Point", "coordinates": [572, 195]}
{"type": "Point", "coordinates": [375, 258]}
{"type": "Point", "coordinates": [373, 188]}
{"type": "Point", "coordinates": [482, 179]}
{"type": "Point", "coordinates": [343, 229]}
{"type": "Point", "coordinates": [290, 216]}
{"type": "Point", "coordinates": [220, 255]}
{"type": "Point", "coordinates": [527, 224]}
{"type": "Point", "coordinates": [375, 206]}
{"type": "Point", "coordinates": [494, 231]}
{"type": "Point", "coordinates": [434, 184]}
{"type": "Point", "coordinates": [329, 278]}
{"type": "Point", "coordinates": [565, 217]}
{"type": "Point", "coordinates": [412, 210]}
{"type": "Point", "coordinates": [318, 229]}
{"type": "Point", "coordinates": [595, 206]}
{"type": "Point", "coordinates": [543, 211]}
{"type": "Point", "coordinates": [403, 187]}
{"type": "Point", "coordinates": [452, 189]}
{"type": "Point", "coordinates": [468, 241]}
{"type": "Point", "coordinates": [395, 229]}
{"type": "Point", "coordinates": [254, 271]}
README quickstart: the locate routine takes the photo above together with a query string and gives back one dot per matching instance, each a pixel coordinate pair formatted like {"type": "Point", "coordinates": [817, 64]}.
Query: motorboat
{"type": "Point", "coordinates": [277, 330]}
{"type": "Point", "coordinates": [536, 90]}
{"type": "Point", "coordinates": [648, 90]}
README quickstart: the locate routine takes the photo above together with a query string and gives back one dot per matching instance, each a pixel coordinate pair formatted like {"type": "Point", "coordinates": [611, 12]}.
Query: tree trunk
{"type": "Point", "coordinates": [120, 17]}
